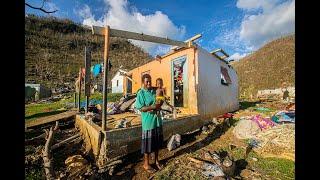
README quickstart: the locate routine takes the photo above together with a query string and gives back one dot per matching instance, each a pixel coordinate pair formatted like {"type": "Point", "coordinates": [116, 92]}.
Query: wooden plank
{"type": "Point", "coordinates": [66, 141]}
{"type": "Point", "coordinates": [87, 62]}
{"type": "Point", "coordinates": [194, 38]}
{"type": "Point", "coordinates": [188, 41]}
{"type": "Point", "coordinates": [215, 51]}
{"type": "Point", "coordinates": [227, 55]}
{"type": "Point", "coordinates": [49, 119]}
{"type": "Point", "coordinates": [223, 57]}
{"type": "Point", "coordinates": [136, 36]}
{"type": "Point", "coordinates": [219, 50]}
{"type": "Point", "coordinates": [105, 79]}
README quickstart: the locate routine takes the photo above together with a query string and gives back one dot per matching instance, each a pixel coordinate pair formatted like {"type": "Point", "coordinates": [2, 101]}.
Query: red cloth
{"type": "Point", "coordinates": [226, 115]}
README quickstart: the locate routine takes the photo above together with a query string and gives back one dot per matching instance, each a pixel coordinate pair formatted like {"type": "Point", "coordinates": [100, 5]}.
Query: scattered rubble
{"type": "Point", "coordinates": [278, 141]}
{"type": "Point", "coordinates": [77, 166]}
{"type": "Point", "coordinates": [174, 142]}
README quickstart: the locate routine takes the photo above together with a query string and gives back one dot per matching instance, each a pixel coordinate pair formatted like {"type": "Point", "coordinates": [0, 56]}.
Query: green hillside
{"type": "Point", "coordinates": [268, 67]}
{"type": "Point", "coordinates": [54, 51]}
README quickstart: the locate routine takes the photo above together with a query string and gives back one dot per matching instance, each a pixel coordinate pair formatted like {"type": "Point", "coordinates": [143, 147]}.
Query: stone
{"type": "Point", "coordinates": [174, 142]}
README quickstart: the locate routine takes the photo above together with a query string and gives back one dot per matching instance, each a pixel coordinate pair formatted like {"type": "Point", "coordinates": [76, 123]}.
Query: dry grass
{"type": "Point", "coordinates": [268, 67]}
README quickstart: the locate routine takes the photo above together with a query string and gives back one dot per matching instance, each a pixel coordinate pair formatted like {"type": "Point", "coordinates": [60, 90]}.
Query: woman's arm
{"type": "Point", "coordinates": [140, 105]}
{"type": "Point", "coordinates": [150, 108]}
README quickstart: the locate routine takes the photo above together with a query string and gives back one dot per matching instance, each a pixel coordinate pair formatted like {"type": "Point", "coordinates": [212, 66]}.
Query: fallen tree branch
{"type": "Point", "coordinates": [114, 163]}
{"type": "Point", "coordinates": [66, 141]}
{"type": "Point", "coordinates": [46, 152]}
{"type": "Point", "coordinates": [41, 8]}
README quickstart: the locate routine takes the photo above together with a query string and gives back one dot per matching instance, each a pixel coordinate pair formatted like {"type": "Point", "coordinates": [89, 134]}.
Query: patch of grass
{"type": "Point", "coordinates": [35, 173]}
{"type": "Point", "coordinates": [247, 104]}
{"type": "Point", "coordinates": [178, 171]}
{"type": "Point", "coordinates": [33, 111]}
{"type": "Point", "coordinates": [34, 116]}
{"type": "Point", "coordinates": [278, 168]}
{"type": "Point", "coordinates": [36, 110]}
{"type": "Point", "coordinates": [237, 153]}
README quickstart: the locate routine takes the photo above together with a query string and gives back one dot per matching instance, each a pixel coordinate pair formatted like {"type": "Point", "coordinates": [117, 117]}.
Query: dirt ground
{"type": "Point", "coordinates": [216, 139]}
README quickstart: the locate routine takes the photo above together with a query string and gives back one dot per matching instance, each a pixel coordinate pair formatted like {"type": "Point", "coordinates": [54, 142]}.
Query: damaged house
{"type": "Point", "coordinates": [202, 85]}
{"type": "Point", "coordinates": [197, 82]}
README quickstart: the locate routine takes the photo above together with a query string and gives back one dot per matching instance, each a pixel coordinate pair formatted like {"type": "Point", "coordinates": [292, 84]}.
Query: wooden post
{"type": "Point", "coordinates": [87, 62]}
{"type": "Point", "coordinates": [75, 100]}
{"type": "Point", "coordinates": [105, 78]}
{"type": "Point", "coordinates": [79, 93]}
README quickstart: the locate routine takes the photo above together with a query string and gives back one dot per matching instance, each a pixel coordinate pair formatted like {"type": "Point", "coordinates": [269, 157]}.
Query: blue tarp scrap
{"type": "Point", "coordinates": [96, 69]}
{"type": "Point", "coordinates": [283, 116]}
{"type": "Point", "coordinates": [92, 102]}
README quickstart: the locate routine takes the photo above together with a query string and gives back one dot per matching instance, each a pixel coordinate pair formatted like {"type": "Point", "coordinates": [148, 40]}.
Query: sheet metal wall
{"type": "Point", "coordinates": [213, 97]}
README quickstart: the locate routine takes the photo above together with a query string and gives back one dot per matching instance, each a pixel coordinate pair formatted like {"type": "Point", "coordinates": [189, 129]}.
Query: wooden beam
{"type": "Point", "coordinates": [194, 38]}
{"type": "Point", "coordinates": [105, 79]}
{"type": "Point", "coordinates": [223, 57]}
{"type": "Point", "coordinates": [188, 41]}
{"type": "Point", "coordinates": [216, 55]}
{"type": "Point", "coordinates": [96, 30]}
{"type": "Point", "coordinates": [66, 141]}
{"type": "Point", "coordinates": [215, 51]}
{"type": "Point", "coordinates": [220, 57]}
{"type": "Point", "coordinates": [227, 55]}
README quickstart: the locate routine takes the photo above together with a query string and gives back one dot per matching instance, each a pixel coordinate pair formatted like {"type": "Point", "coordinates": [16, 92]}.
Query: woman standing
{"type": "Point", "coordinates": [152, 136]}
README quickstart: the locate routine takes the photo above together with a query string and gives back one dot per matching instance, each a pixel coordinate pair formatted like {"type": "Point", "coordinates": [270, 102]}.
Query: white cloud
{"type": "Point", "coordinates": [237, 56]}
{"type": "Point", "coordinates": [274, 21]}
{"type": "Point", "coordinates": [263, 21]}
{"type": "Point", "coordinates": [120, 16]}
{"type": "Point", "coordinates": [49, 6]}
{"type": "Point", "coordinates": [256, 4]}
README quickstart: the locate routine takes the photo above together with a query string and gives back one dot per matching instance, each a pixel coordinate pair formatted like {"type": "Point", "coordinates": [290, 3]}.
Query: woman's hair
{"type": "Point", "coordinates": [145, 76]}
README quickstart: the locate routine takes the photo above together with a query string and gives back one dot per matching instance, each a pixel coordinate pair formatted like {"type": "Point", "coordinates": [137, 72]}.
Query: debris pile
{"type": "Point", "coordinates": [278, 141]}
{"type": "Point", "coordinates": [77, 167]}
{"type": "Point", "coordinates": [273, 136]}
{"type": "Point", "coordinates": [215, 165]}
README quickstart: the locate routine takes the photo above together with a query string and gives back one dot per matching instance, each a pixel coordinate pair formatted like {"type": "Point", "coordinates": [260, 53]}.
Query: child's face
{"type": "Point", "coordinates": [159, 84]}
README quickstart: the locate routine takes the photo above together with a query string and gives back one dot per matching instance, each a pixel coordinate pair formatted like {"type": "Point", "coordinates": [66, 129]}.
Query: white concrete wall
{"type": "Point", "coordinates": [115, 88]}
{"type": "Point", "coordinates": [213, 97]}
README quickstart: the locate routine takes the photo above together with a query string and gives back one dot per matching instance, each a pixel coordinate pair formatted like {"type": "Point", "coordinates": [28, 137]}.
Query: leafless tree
{"type": "Point", "coordinates": [41, 8]}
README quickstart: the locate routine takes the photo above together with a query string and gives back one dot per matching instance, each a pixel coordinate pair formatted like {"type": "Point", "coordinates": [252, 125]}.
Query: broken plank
{"type": "Point", "coordinates": [49, 119]}
{"type": "Point", "coordinates": [66, 141]}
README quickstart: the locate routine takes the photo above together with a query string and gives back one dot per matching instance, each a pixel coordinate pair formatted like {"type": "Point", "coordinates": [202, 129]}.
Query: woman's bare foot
{"type": "Point", "coordinates": [149, 169]}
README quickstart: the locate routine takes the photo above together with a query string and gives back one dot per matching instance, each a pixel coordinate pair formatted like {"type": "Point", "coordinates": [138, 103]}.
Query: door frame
{"type": "Point", "coordinates": [186, 83]}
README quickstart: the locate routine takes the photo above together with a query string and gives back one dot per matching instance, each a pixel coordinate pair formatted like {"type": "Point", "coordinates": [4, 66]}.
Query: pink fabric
{"type": "Point", "coordinates": [263, 123]}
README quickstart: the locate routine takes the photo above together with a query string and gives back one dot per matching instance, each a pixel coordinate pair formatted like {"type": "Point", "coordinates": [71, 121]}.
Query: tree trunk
{"type": "Point", "coordinates": [47, 153]}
